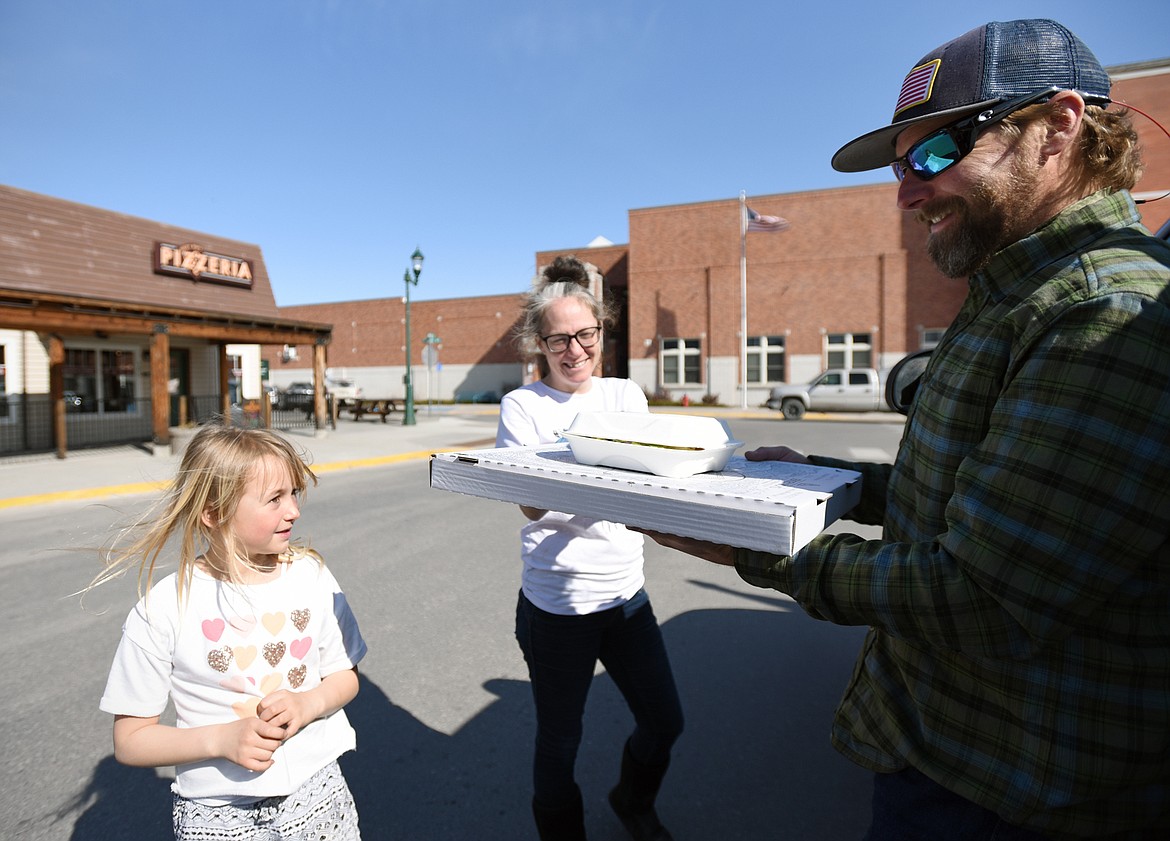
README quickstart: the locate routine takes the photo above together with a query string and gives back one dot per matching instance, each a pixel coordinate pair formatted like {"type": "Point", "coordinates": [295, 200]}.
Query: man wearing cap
{"type": "Point", "coordinates": [1015, 683]}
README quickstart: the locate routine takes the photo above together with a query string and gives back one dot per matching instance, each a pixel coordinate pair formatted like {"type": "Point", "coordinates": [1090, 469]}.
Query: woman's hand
{"type": "Point", "coordinates": [716, 553]}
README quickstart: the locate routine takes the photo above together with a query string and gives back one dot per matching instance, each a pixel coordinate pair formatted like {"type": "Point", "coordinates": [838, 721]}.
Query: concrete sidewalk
{"type": "Point", "coordinates": [124, 470]}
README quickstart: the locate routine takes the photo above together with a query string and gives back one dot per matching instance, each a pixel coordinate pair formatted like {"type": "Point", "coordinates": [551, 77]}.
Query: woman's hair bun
{"type": "Point", "coordinates": [566, 269]}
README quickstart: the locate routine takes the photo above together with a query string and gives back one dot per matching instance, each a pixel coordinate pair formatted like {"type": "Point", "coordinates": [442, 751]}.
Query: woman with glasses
{"type": "Point", "coordinates": [582, 598]}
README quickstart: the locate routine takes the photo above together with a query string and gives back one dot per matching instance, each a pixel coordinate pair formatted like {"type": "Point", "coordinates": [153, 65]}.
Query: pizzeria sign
{"type": "Point", "coordinates": [189, 260]}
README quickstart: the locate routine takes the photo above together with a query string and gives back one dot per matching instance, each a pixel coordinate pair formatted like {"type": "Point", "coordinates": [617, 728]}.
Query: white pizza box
{"type": "Point", "coordinates": [772, 506]}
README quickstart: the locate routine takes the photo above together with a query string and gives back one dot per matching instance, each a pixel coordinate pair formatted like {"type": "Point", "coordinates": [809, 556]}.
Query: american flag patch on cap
{"type": "Point", "coordinates": [917, 86]}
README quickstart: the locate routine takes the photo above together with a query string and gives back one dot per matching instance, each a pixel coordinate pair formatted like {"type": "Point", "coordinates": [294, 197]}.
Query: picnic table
{"type": "Point", "coordinates": [362, 406]}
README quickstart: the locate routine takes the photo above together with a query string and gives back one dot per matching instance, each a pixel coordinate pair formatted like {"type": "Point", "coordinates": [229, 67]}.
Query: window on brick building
{"type": "Point", "coordinates": [848, 350]}
{"type": "Point", "coordinates": [765, 359]}
{"type": "Point", "coordinates": [929, 337]}
{"type": "Point", "coordinates": [680, 360]}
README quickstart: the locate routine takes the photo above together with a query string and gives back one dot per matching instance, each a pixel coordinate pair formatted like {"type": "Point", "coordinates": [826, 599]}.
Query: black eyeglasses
{"type": "Point", "coordinates": [559, 342]}
{"type": "Point", "coordinates": [942, 149]}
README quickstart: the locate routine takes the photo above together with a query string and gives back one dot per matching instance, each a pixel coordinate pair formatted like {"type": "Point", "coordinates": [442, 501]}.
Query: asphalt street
{"type": "Point", "coordinates": [444, 717]}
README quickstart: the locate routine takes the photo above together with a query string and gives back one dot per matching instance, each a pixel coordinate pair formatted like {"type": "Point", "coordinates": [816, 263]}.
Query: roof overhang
{"type": "Point", "coordinates": [73, 315]}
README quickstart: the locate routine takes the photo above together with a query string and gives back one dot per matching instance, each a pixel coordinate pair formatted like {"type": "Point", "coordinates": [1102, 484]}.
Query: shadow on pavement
{"type": "Point", "coordinates": [124, 802]}
{"type": "Point", "coordinates": [759, 687]}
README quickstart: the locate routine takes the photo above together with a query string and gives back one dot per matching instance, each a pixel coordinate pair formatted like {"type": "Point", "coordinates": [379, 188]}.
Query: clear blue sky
{"type": "Point", "coordinates": [340, 134]}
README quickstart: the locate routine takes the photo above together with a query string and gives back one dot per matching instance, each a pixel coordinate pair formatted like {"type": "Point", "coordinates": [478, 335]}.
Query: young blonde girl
{"type": "Point", "coordinates": [251, 639]}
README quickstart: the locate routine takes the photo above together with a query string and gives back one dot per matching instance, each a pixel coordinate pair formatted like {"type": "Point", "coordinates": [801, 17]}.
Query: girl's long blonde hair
{"type": "Point", "coordinates": [214, 473]}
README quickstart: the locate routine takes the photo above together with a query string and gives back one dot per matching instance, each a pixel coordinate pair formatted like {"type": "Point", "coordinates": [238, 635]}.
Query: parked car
{"type": "Point", "coordinates": [834, 390]}
{"type": "Point", "coordinates": [342, 388]}
{"type": "Point", "coordinates": [297, 396]}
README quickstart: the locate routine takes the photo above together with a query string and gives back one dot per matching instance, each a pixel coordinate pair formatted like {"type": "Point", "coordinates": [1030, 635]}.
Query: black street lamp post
{"type": "Point", "coordinates": [416, 260]}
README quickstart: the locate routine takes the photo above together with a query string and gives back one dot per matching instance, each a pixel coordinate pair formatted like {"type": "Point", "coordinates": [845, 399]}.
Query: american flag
{"type": "Point", "coordinates": [916, 87]}
{"type": "Point", "coordinates": [767, 224]}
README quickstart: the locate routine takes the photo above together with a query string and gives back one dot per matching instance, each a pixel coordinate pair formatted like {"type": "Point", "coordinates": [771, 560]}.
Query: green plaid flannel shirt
{"type": "Point", "coordinates": [1019, 600]}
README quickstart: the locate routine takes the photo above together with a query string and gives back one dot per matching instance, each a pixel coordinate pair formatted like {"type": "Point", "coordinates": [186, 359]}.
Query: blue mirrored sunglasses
{"type": "Point", "coordinates": [942, 149]}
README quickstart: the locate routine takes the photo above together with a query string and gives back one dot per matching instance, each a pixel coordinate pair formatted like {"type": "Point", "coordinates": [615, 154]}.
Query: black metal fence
{"type": "Point", "coordinates": [26, 424]}
{"type": "Point", "coordinates": [296, 418]}
{"type": "Point", "coordinates": [26, 421]}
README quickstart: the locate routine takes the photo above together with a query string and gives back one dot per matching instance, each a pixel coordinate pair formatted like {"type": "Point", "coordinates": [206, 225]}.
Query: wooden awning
{"type": "Point", "coordinates": [73, 315]}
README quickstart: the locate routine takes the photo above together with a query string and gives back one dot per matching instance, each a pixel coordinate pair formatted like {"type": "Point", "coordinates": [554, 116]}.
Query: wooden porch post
{"type": "Point", "coordinates": [225, 395]}
{"type": "Point", "coordinates": [57, 391]}
{"type": "Point", "coordinates": [319, 407]}
{"type": "Point", "coordinates": [160, 393]}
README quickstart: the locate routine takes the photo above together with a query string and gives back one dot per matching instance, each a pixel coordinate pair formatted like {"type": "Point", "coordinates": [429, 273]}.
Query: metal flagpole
{"type": "Point", "coordinates": [742, 299]}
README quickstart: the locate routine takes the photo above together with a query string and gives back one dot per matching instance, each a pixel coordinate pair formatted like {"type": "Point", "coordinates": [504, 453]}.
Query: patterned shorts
{"type": "Point", "coordinates": [320, 810]}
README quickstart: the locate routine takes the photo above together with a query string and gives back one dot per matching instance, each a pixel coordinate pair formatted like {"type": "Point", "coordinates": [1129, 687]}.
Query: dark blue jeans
{"type": "Point", "coordinates": [562, 652]}
{"type": "Point", "coordinates": [909, 806]}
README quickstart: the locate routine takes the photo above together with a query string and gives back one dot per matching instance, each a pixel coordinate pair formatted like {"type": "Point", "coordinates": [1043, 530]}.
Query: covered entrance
{"type": "Point", "coordinates": [118, 329]}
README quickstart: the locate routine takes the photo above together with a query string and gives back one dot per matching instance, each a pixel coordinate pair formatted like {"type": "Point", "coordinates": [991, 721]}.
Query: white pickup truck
{"type": "Point", "coordinates": [834, 390]}
{"type": "Point", "coordinates": [343, 388]}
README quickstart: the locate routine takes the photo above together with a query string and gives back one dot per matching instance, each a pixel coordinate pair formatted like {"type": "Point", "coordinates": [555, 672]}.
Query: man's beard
{"type": "Point", "coordinates": [993, 216]}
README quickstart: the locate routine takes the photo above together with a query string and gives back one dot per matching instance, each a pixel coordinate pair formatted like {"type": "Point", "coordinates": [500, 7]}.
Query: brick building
{"type": "Point", "coordinates": [474, 350]}
{"type": "Point", "coordinates": [848, 283]}
{"type": "Point", "coordinates": [107, 327]}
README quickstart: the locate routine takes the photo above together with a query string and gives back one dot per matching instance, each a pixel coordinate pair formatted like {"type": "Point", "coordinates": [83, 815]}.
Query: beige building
{"type": "Point", "coordinates": [115, 328]}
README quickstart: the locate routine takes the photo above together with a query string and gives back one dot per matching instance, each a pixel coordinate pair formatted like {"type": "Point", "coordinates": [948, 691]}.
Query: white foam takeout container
{"type": "Point", "coordinates": [675, 446]}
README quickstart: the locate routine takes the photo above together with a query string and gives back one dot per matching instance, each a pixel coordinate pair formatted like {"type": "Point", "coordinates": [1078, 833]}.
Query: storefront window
{"type": "Point", "coordinates": [3, 385]}
{"type": "Point", "coordinates": [235, 364]}
{"type": "Point", "coordinates": [99, 381]}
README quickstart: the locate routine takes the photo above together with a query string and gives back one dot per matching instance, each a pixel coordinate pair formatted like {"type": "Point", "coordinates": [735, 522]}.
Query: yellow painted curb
{"type": "Point", "coordinates": [84, 493]}
{"type": "Point", "coordinates": [150, 487]}
{"type": "Point", "coordinates": [330, 467]}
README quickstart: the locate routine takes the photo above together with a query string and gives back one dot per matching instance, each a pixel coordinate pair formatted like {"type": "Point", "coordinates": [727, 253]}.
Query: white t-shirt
{"type": "Point", "coordinates": [226, 648]}
{"type": "Point", "coordinates": [572, 564]}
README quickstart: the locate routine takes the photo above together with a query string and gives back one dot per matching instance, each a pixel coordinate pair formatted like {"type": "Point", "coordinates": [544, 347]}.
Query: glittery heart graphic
{"type": "Point", "coordinates": [243, 624]}
{"type": "Point", "coordinates": [299, 648]}
{"type": "Point", "coordinates": [300, 618]}
{"type": "Point", "coordinates": [296, 676]}
{"type": "Point", "coordinates": [273, 652]}
{"type": "Point", "coordinates": [213, 629]}
{"type": "Point", "coordinates": [246, 708]}
{"type": "Point", "coordinates": [245, 654]}
{"type": "Point", "coordinates": [270, 683]}
{"type": "Point", "coordinates": [273, 622]}
{"type": "Point", "coordinates": [219, 658]}
{"type": "Point", "coordinates": [237, 683]}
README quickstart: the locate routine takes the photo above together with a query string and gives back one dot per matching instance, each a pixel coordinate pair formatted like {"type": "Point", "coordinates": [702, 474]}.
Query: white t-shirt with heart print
{"type": "Point", "coordinates": [226, 648]}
